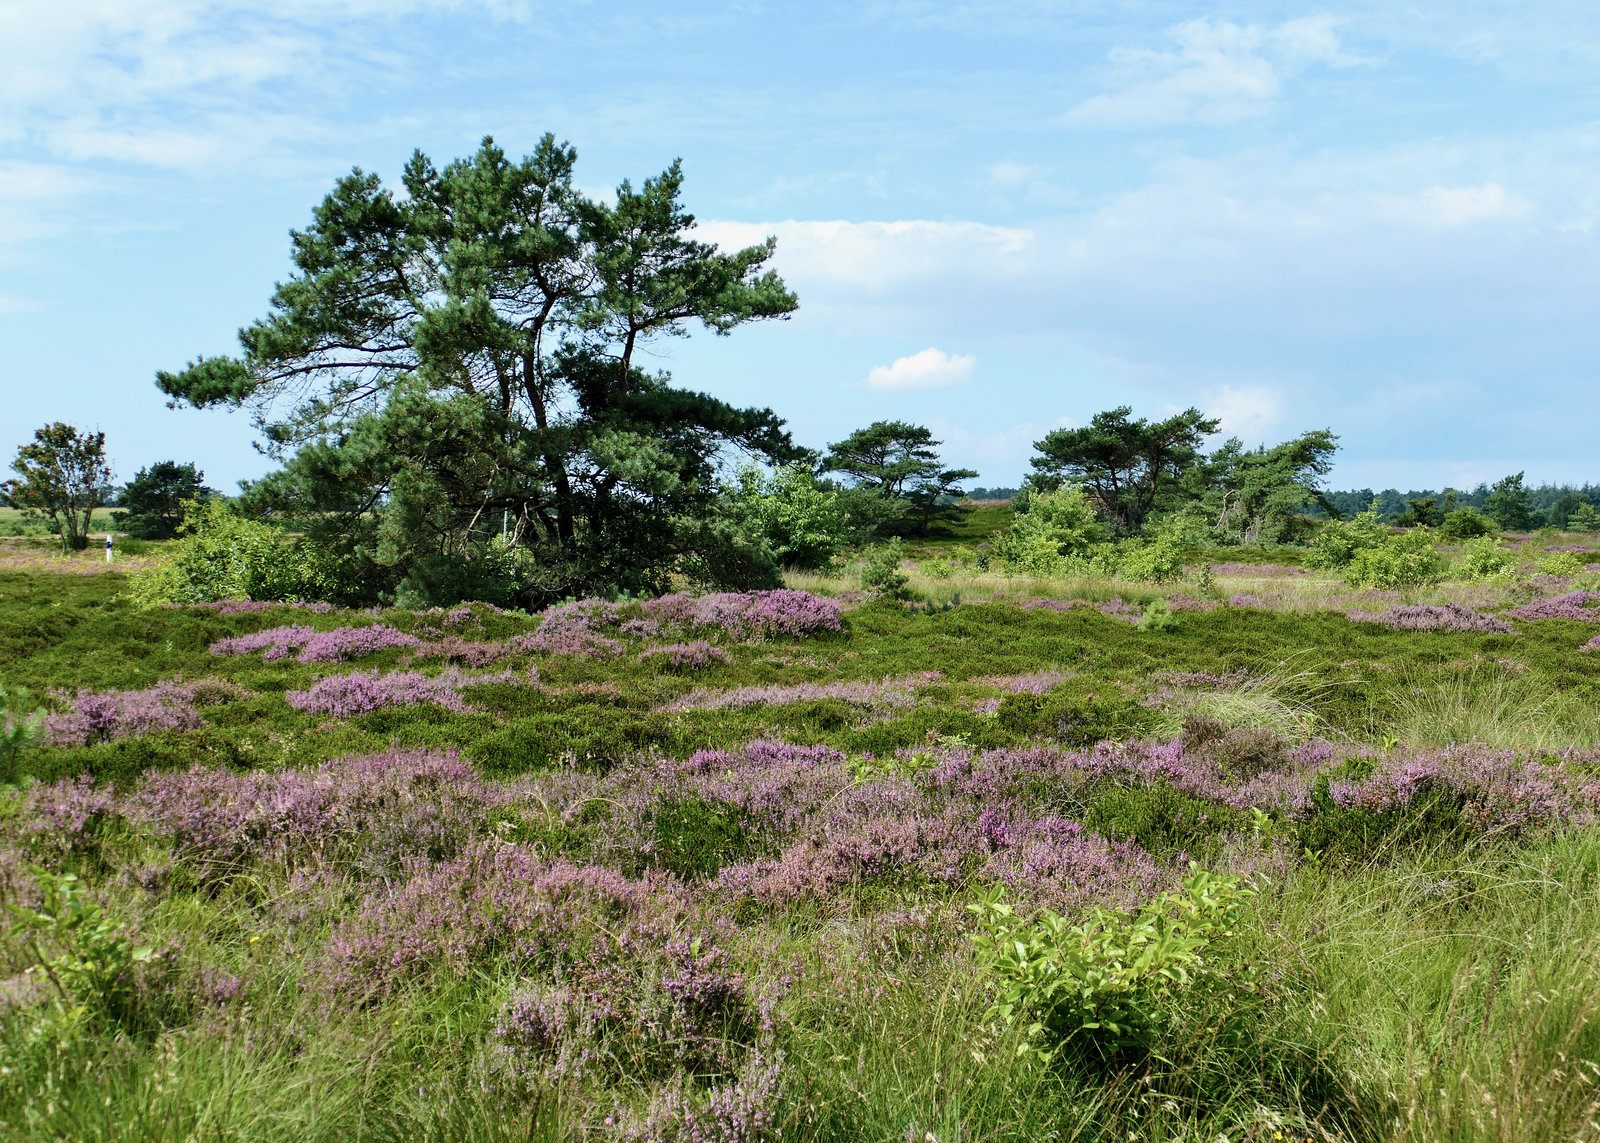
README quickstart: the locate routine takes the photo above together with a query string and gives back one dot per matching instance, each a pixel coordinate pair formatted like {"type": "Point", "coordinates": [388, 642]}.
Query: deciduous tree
{"type": "Point", "coordinates": [62, 475]}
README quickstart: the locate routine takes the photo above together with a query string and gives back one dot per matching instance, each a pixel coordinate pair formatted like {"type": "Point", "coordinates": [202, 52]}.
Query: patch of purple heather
{"type": "Point", "coordinates": [494, 902]}
{"type": "Point", "coordinates": [693, 656]}
{"type": "Point", "coordinates": [1591, 645]}
{"type": "Point", "coordinates": [1037, 683]}
{"type": "Point", "coordinates": [274, 642]}
{"type": "Point", "coordinates": [1258, 570]}
{"type": "Point", "coordinates": [98, 716]}
{"type": "Point", "coordinates": [749, 614]}
{"type": "Point", "coordinates": [344, 696]}
{"type": "Point", "coordinates": [315, 646]}
{"type": "Point", "coordinates": [1578, 605]}
{"type": "Point", "coordinates": [1245, 599]}
{"type": "Point", "coordinates": [1434, 617]}
{"type": "Point", "coordinates": [885, 695]}
{"type": "Point", "coordinates": [344, 643]}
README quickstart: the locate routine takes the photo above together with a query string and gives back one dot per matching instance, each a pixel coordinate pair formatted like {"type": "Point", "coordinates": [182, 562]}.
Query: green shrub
{"type": "Point", "coordinates": [1406, 560]}
{"type": "Point", "coordinates": [694, 838]}
{"type": "Point", "coordinates": [882, 574]}
{"type": "Point", "coordinates": [1560, 563]}
{"type": "Point", "coordinates": [1160, 818]}
{"type": "Point", "coordinates": [221, 555]}
{"type": "Point", "coordinates": [1466, 524]}
{"type": "Point", "coordinates": [1049, 530]}
{"type": "Point", "coordinates": [1338, 541]}
{"type": "Point", "coordinates": [21, 727]}
{"type": "Point", "coordinates": [800, 522]}
{"type": "Point", "coordinates": [1112, 983]}
{"type": "Point", "coordinates": [1157, 617]}
{"type": "Point", "coordinates": [1484, 558]}
{"type": "Point", "coordinates": [1077, 717]}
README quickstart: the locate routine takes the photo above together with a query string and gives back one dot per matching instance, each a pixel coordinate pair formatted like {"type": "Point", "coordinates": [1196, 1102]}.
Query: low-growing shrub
{"type": "Point", "coordinates": [881, 574]}
{"type": "Point", "coordinates": [1108, 986]}
{"type": "Point", "coordinates": [1484, 558]}
{"type": "Point", "coordinates": [1405, 560]}
{"type": "Point", "coordinates": [1435, 617]}
{"type": "Point", "coordinates": [687, 656]}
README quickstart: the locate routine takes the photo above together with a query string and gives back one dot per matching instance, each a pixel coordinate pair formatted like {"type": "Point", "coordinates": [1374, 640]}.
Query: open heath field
{"type": "Point", "coordinates": [1250, 862]}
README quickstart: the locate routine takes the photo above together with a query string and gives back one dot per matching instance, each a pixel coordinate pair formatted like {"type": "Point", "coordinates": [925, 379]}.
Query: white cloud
{"type": "Point", "coordinates": [1216, 73]}
{"type": "Point", "coordinates": [1250, 412]}
{"type": "Point", "coordinates": [929, 369]}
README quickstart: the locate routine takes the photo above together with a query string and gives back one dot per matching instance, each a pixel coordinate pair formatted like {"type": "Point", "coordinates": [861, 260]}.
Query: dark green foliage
{"type": "Point", "coordinates": [1466, 524]}
{"type": "Point", "coordinates": [1254, 496]}
{"type": "Point", "coordinates": [1161, 819]}
{"type": "Point", "coordinates": [899, 462]}
{"type": "Point", "coordinates": [481, 382]}
{"type": "Point", "coordinates": [1128, 467]}
{"type": "Point", "coordinates": [1508, 504]}
{"type": "Point", "coordinates": [152, 506]}
{"type": "Point", "coordinates": [1430, 820]}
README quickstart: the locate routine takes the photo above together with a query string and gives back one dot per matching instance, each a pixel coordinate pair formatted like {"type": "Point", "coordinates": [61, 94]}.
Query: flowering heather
{"type": "Point", "coordinates": [249, 606]}
{"type": "Point", "coordinates": [1434, 617]}
{"type": "Point", "coordinates": [494, 902]}
{"type": "Point", "coordinates": [1591, 645]}
{"type": "Point", "coordinates": [1245, 599]}
{"type": "Point", "coordinates": [1190, 603]}
{"type": "Point", "coordinates": [467, 652]}
{"type": "Point", "coordinates": [889, 694]}
{"type": "Point", "coordinates": [693, 655]}
{"type": "Point", "coordinates": [1116, 608]}
{"type": "Point", "coordinates": [344, 643]}
{"type": "Point", "coordinates": [1569, 548]}
{"type": "Point", "coordinates": [96, 716]}
{"type": "Point", "coordinates": [344, 696]}
{"type": "Point", "coordinates": [1037, 683]}
{"type": "Point", "coordinates": [749, 614]}
{"type": "Point", "coordinates": [274, 642]}
{"type": "Point", "coordinates": [1579, 605]}
{"type": "Point", "coordinates": [744, 1111]}
{"type": "Point", "coordinates": [374, 808]}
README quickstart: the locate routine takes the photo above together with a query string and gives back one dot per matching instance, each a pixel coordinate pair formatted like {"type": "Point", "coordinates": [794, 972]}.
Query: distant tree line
{"type": "Point", "coordinates": [1521, 506]}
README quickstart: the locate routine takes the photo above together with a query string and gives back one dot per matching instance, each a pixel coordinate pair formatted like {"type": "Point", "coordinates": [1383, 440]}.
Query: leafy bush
{"type": "Point", "coordinates": [1466, 524]}
{"type": "Point", "coordinates": [882, 574]}
{"type": "Point", "coordinates": [221, 555]}
{"type": "Point", "coordinates": [1339, 540]}
{"type": "Point", "coordinates": [1560, 563]}
{"type": "Point", "coordinates": [799, 521]}
{"type": "Point", "coordinates": [1484, 558]}
{"type": "Point", "coordinates": [1048, 530]}
{"type": "Point", "coordinates": [1406, 560]}
{"type": "Point", "coordinates": [1159, 818]}
{"type": "Point", "coordinates": [1158, 559]}
{"type": "Point", "coordinates": [1112, 983]}
{"type": "Point", "coordinates": [95, 957]}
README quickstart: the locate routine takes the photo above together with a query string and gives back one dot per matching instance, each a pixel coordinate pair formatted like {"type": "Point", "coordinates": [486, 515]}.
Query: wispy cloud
{"type": "Point", "coordinates": [1216, 72]}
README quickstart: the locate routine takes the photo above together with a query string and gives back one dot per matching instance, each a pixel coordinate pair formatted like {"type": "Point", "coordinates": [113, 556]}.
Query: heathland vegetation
{"type": "Point", "coordinates": [545, 751]}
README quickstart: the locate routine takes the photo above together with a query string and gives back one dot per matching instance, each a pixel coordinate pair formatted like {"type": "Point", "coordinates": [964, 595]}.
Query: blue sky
{"type": "Point", "coordinates": [1000, 218]}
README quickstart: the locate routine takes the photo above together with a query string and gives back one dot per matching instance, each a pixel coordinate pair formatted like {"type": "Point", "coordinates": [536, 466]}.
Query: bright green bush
{"type": "Point", "coordinates": [799, 521]}
{"type": "Point", "coordinates": [882, 574]}
{"type": "Point", "coordinates": [1406, 560]}
{"type": "Point", "coordinates": [221, 555]}
{"type": "Point", "coordinates": [1051, 530]}
{"type": "Point", "coordinates": [1466, 524]}
{"type": "Point", "coordinates": [1484, 558]}
{"type": "Point", "coordinates": [1560, 563]}
{"type": "Point", "coordinates": [1158, 560]}
{"type": "Point", "coordinates": [1339, 540]}
{"type": "Point", "coordinates": [1113, 982]}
